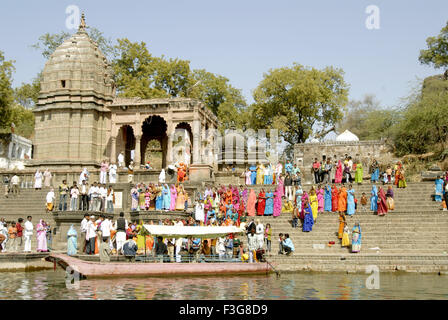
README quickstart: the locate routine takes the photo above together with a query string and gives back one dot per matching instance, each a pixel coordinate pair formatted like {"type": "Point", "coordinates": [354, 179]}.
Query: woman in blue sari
{"type": "Point", "coordinates": [375, 171]}
{"type": "Point", "coordinates": [439, 189]}
{"type": "Point", "coordinates": [374, 199]}
{"type": "Point", "coordinates": [356, 238]}
{"type": "Point", "coordinates": [350, 201]}
{"type": "Point", "coordinates": [308, 221]}
{"type": "Point", "coordinates": [159, 198]}
{"type": "Point", "coordinates": [253, 174]}
{"type": "Point", "coordinates": [72, 241]}
{"type": "Point", "coordinates": [229, 213]}
{"type": "Point", "coordinates": [327, 198]}
{"type": "Point", "coordinates": [166, 198]}
{"type": "Point", "coordinates": [269, 208]}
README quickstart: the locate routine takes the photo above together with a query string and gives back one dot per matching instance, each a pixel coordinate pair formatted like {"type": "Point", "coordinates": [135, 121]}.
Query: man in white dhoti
{"type": "Point", "coordinates": [27, 234]}
{"type": "Point", "coordinates": [162, 176]}
{"type": "Point", "coordinates": [83, 176]}
{"type": "Point", "coordinates": [121, 160]}
{"type": "Point", "coordinates": [38, 180]}
{"type": "Point", "coordinates": [260, 234]}
{"type": "Point", "coordinates": [113, 173]}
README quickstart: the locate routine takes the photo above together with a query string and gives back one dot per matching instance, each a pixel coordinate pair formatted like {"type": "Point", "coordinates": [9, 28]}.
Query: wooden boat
{"type": "Point", "coordinates": [91, 269]}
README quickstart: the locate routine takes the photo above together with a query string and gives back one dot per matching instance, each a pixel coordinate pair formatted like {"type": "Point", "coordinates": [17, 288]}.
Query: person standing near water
{"type": "Point", "coordinates": [28, 234]}
{"type": "Point", "coordinates": [356, 238]}
{"type": "Point", "coordinates": [72, 241]}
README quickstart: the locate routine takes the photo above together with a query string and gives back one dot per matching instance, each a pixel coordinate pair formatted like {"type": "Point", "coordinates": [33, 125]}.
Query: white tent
{"type": "Point", "coordinates": [347, 136]}
{"type": "Point", "coordinates": [194, 231]}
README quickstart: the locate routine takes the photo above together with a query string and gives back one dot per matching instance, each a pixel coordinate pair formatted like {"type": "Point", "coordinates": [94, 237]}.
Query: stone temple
{"type": "Point", "coordinates": [80, 121]}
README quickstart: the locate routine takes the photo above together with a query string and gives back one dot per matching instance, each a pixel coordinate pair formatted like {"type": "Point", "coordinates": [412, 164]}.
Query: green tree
{"type": "Point", "coordinates": [23, 120]}
{"type": "Point", "coordinates": [6, 91]}
{"type": "Point", "coordinates": [221, 97]}
{"type": "Point", "coordinates": [27, 94]}
{"type": "Point", "coordinates": [424, 125]}
{"type": "Point", "coordinates": [299, 100]}
{"type": "Point", "coordinates": [437, 52]}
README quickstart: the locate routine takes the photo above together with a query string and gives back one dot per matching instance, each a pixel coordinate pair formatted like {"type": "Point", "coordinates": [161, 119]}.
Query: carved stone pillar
{"type": "Point", "coordinates": [137, 155]}
{"type": "Point", "coordinates": [113, 149]}
{"type": "Point", "coordinates": [196, 141]}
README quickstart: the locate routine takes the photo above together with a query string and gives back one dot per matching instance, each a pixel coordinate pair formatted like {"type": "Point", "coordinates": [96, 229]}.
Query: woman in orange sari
{"type": "Point", "coordinates": [228, 195]}
{"type": "Point", "coordinates": [342, 199]}
{"type": "Point", "coordinates": [251, 201]}
{"type": "Point", "coordinates": [341, 224]}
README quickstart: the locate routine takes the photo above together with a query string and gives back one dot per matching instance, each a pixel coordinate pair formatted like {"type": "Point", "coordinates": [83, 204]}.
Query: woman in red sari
{"type": "Point", "coordinates": [334, 198]}
{"type": "Point", "coordinates": [261, 203]}
{"type": "Point", "coordinates": [382, 202]}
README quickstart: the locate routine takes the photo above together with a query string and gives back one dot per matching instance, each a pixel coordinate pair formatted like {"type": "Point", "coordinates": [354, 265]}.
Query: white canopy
{"type": "Point", "coordinates": [194, 231]}
{"type": "Point", "coordinates": [347, 136]}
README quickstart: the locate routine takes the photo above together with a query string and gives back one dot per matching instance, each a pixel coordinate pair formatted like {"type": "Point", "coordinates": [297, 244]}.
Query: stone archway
{"type": "Point", "coordinates": [125, 142]}
{"type": "Point", "coordinates": [183, 143]}
{"type": "Point", "coordinates": [154, 141]}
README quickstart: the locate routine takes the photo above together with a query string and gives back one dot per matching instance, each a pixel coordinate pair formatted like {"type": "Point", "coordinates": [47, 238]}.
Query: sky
{"type": "Point", "coordinates": [243, 39]}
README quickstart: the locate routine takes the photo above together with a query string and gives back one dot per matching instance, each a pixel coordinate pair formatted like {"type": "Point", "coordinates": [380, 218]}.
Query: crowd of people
{"type": "Point", "coordinates": [100, 235]}
{"type": "Point", "coordinates": [17, 236]}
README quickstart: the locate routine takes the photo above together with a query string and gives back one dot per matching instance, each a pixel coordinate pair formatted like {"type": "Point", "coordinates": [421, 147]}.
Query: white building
{"type": "Point", "coordinates": [14, 151]}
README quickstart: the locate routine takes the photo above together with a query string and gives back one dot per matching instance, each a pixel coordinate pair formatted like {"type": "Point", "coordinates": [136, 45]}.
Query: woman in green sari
{"type": "Point", "coordinates": [359, 174]}
{"type": "Point", "coordinates": [140, 237]}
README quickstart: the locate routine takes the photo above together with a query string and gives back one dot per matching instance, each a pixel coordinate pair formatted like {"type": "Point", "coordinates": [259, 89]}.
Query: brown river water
{"type": "Point", "coordinates": [51, 285]}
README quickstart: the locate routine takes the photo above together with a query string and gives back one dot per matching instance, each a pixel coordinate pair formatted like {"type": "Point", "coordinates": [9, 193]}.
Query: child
{"type": "Point", "coordinates": [345, 236]}
{"type": "Point", "coordinates": [389, 174]}
{"type": "Point", "coordinates": [280, 246]}
{"type": "Point", "coordinates": [295, 218]}
{"type": "Point", "coordinates": [385, 179]}
{"type": "Point", "coordinates": [12, 235]}
{"type": "Point", "coordinates": [364, 202]}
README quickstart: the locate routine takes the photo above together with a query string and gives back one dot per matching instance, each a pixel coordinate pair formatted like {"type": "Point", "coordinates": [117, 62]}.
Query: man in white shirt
{"type": "Point", "coordinates": [84, 231]}
{"type": "Point", "coordinates": [27, 234]}
{"type": "Point", "coordinates": [91, 235]}
{"type": "Point", "coordinates": [15, 180]}
{"type": "Point", "coordinates": [113, 173]}
{"type": "Point", "coordinates": [83, 191]}
{"type": "Point", "coordinates": [178, 243]}
{"type": "Point", "coordinates": [105, 227]}
{"type": "Point", "coordinates": [103, 195]}
{"type": "Point", "coordinates": [94, 193]}
{"type": "Point", "coordinates": [252, 243]}
{"type": "Point", "coordinates": [121, 225]}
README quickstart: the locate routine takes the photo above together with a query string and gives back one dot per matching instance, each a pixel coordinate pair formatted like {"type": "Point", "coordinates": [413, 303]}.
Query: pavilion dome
{"type": "Point", "coordinates": [78, 68]}
{"type": "Point", "coordinates": [314, 140]}
{"type": "Point", "coordinates": [347, 136]}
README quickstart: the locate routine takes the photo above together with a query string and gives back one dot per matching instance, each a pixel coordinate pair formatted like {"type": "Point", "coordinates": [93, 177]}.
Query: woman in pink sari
{"type": "Point", "coordinates": [382, 202]}
{"type": "Point", "coordinates": [338, 174]}
{"type": "Point", "coordinates": [281, 187]}
{"type": "Point", "coordinates": [173, 191]}
{"type": "Point", "coordinates": [277, 203]}
{"type": "Point", "coordinates": [251, 203]}
{"type": "Point", "coordinates": [41, 232]}
{"type": "Point", "coordinates": [320, 199]}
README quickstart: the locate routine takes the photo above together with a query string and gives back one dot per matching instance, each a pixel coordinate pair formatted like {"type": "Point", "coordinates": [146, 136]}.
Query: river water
{"type": "Point", "coordinates": [50, 285]}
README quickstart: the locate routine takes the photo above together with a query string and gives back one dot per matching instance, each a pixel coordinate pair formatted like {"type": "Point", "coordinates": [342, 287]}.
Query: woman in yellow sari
{"type": "Point", "coordinates": [314, 203]}
{"type": "Point", "coordinates": [180, 200]}
{"type": "Point", "coordinates": [140, 238]}
{"type": "Point", "coordinates": [260, 174]}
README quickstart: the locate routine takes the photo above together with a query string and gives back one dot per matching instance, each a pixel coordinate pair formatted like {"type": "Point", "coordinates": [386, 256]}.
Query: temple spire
{"type": "Point", "coordinates": [82, 25]}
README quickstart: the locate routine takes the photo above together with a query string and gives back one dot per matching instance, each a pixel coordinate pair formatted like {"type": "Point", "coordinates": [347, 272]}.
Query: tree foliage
{"type": "Point", "coordinates": [368, 120]}
{"type": "Point", "coordinates": [6, 91]}
{"type": "Point", "coordinates": [424, 124]}
{"type": "Point", "coordinates": [437, 52]}
{"type": "Point", "coordinates": [27, 94]}
{"type": "Point", "coordinates": [299, 100]}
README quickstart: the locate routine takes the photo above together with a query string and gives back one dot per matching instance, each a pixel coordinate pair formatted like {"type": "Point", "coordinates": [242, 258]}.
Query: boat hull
{"type": "Point", "coordinates": [91, 269]}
